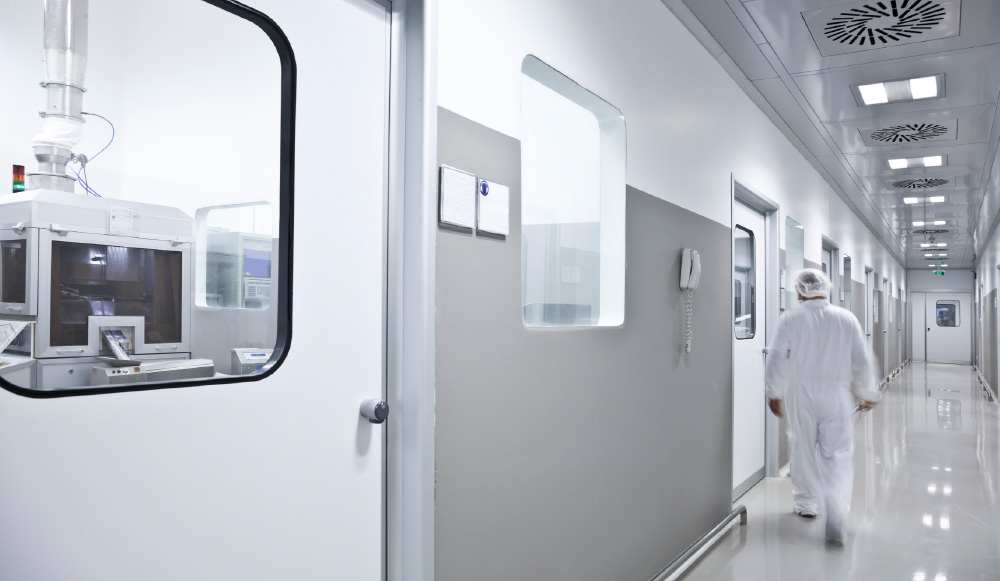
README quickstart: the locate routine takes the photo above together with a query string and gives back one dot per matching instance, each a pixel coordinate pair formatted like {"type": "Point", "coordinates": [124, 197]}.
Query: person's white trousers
{"type": "Point", "coordinates": [821, 441]}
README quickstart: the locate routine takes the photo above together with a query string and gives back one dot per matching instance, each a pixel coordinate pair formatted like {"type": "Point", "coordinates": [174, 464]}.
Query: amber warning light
{"type": "Point", "coordinates": [18, 178]}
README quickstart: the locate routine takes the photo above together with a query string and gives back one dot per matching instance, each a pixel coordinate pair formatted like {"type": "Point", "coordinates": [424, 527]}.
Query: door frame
{"type": "Point", "coordinates": [408, 545]}
{"type": "Point", "coordinates": [836, 267]}
{"type": "Point", "coordinates": [772, 292]}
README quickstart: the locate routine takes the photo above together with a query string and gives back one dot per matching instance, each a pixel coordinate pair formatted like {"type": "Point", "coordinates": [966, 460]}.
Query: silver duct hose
{"type": "Point", "coordinates": [65, 42]}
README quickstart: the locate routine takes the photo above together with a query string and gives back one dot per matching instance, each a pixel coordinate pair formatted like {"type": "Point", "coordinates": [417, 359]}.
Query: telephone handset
{"type": "Point", "coordinates": [690, 277]}
{"type": "Point", "coordinates": [690, 269]}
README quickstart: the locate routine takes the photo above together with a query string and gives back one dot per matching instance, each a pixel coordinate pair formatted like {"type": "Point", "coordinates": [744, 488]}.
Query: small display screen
{"type": "Point", "coordinates": [256, 356]}
{"type": "Point", "coordinates": [257, 263]}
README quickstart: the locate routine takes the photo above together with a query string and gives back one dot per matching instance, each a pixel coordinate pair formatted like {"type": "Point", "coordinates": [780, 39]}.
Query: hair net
{"type": "Point", "coordinates": [812, 283]}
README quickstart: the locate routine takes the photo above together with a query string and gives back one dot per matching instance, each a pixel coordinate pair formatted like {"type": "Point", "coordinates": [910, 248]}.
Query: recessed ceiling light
{"type": "Point", "coordinates": [929, 254]}
{"type": "Point", "coordinates": [939, 222]}
{"type": "Point", "coordinates": [910, 200]}
{"type": "Point", "coordinates": [941, 254]}
{"type": "Point", "coordinates": [916, 223]}
{"type": "Point", "coordinates": [903, 90]}
{"type": "Point", "coordinates": [923, 88]}
{"type": "Point", "coordinates": [935, 199]}
{"type": "Point", "coordinates": [942, 244]}
{"type": "Point", "coordinates": [913, 162]}
{"type": "Point", "coordinates": [873, 94]}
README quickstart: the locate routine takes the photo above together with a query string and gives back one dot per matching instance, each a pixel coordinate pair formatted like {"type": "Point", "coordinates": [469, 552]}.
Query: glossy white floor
{"type": "Point", "coordinates": [926, 501]}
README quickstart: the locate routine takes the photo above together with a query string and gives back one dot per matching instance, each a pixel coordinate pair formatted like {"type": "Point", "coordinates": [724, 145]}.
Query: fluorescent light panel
{"type": "Point", "coordinates": [904, 90]}
{"type": "Point", "coordinates": [909, 162]}
{"type": "Point", "coordinates": [935, 223]}
{"type": "Point", "coordinates": [939, 245]}
{"type": "Point", "coordinates": [930, 200]}
{"type": "Point", "coordinates": [935, 199]}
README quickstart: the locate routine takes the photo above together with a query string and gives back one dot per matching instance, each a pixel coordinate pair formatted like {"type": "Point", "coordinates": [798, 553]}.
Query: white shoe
{"type": "Point", "coordinates": [806, 513]}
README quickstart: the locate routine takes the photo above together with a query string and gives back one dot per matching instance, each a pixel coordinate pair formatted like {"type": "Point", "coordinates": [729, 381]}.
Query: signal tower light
{"type": "Point", "coordinates": [18, 178]}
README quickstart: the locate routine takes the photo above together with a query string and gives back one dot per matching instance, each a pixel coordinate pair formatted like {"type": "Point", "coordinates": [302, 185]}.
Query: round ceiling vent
{"type": "Point", "coordinates": [919, 183]}
{"type": "Point", "coordinates": [908, 133]}
{"type": "Point", "coordinates": [884, 22]}
{"type": "Point", "coordinates": [931, 231]}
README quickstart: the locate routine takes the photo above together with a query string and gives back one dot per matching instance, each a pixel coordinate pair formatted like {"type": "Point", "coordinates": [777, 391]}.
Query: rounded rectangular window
{"type": "Point", "coordinates": [572, 203]}
{"type": "Point", "coordinates": [149, 248]}
{"type": "Point", "coordinates": [947, 314]}
{"type": "Point", "coordinates": [744, 283]}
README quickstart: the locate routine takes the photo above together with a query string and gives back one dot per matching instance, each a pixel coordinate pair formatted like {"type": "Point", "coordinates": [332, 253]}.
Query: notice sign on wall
{"type": "Point", "coordinates": [494, 207]}
{"type": "Point", "coordinates": [458, 197]}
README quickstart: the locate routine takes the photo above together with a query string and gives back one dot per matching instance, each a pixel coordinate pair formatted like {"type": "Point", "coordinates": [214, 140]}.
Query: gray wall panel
{"type": "Point", "coordinates": [858, 301]}
{"type": "Point", "coordinates": [894, 334]}
{"type": "Point", "coordinates": [576, 454]}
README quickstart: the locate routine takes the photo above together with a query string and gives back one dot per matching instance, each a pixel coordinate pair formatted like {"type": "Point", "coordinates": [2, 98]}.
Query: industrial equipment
{"type": "Point", "coordinates": [247, 360]}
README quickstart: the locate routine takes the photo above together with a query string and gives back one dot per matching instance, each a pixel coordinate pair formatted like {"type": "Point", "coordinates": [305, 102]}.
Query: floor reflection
{"type": "Point", "coordinates": [927, 468]}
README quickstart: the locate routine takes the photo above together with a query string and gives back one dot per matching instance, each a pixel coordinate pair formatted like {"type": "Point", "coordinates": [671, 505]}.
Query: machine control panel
{"type": "Point", "coordinates": [249, 360]}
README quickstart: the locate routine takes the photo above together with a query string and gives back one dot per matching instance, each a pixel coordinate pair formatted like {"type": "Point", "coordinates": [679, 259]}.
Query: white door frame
{"type": "Point", "coordinates": [773, 288]}
{"type": "Point", "coordinates": [410, 346]}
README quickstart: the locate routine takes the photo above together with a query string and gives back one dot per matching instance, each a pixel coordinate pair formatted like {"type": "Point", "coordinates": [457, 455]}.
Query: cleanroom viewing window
{"type": "Point", "coordinates": [947, 314]}
{"type": "Point", "coordinates": [146, 244]}
{"type": "Point", "coordinates": [744, 280]}
{"type": "Point", "coordinates": [572, 203]}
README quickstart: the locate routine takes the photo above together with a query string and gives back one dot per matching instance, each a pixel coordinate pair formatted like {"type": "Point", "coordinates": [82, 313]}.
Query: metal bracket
{"type": "Point", "coordinates": [59, 229]}
{"type": "Point", "coordinates": [18, 228]}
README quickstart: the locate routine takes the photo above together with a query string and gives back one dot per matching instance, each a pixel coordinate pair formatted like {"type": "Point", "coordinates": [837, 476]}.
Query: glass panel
{"type": "Point", "coordinates": [794, 258]}
{"type": "Point", "coordinates": [13, 271]}
{"type": "Point", "coordinates": [573, 202]}
{"type": "Point", "coordinates": [947, 314]}
{"type": "Point", "coordinates": [744, 280]}
{"type": "Point", "coordinates": [97, 280]}
{"type": "Point", "coordinates": [847, 283]}
{"type": "Point", "coordinates": [235, 256]}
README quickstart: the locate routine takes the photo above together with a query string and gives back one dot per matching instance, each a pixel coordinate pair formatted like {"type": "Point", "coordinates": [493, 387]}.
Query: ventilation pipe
{"type": "Point", "coordinates": [65, 36]}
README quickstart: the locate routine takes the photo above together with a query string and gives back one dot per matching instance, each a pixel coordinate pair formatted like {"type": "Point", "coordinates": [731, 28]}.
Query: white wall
{"type": "Point", "coordinates": [193, 92]}
{"type": "Point", "coordinates": [690, 127]}
{"type": "Point", "coordinates": [953, 280]}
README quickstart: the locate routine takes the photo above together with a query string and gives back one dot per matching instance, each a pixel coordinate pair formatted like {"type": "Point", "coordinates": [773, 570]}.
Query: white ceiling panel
{"type": "Point", "coordinates": [927, 185]}
{"type": "Point", "coordinates": [742, 49]}
{"type": "Point", "coordinates": [971, 78]}
{"type": "Point", "coordinates": [783, 24]}
{"type": "Point", "coordinates": [959, 159]}
{"type": "Point", "coordinates": [960, 125]}
{"type": "Point", "coordinates": [776, 93]}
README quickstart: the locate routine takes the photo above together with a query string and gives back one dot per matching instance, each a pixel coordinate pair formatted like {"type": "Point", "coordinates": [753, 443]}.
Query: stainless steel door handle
{"type": "Point", "coordinates": [375, 410]}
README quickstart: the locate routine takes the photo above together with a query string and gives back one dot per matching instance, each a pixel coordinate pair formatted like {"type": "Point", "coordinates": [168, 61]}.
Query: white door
{"type": "Point", "coordinates": [918, 325]}
{"type": "Point", "coordinates": [869, 307]}
{"type": "Point", "coordinates": [827, 266]}
{"type": "Point", "coordinates": [949, 327]}
{"type": "Point", "coordinates": [748, 351]}
{"type": "Point", "coordinates": [272, 479]}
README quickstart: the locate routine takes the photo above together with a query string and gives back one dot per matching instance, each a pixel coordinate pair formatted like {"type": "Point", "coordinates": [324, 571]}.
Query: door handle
{"type": "Point", "coordinates": [375, 410]}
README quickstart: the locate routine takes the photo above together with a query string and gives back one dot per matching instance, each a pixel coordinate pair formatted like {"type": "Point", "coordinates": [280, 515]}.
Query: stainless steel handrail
{"type": "Point", "coordinates": [676, 564]}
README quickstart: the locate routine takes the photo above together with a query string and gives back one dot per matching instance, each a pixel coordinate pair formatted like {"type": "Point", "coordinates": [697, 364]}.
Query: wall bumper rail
{"type": "Point", "coordinates": [681, 561]}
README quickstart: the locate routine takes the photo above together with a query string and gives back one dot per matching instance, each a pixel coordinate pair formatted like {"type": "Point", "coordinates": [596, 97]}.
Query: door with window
{"type": "Point", "coordinates": [948, 326]}
{"type": "Point", "coordinates": [749, 401]}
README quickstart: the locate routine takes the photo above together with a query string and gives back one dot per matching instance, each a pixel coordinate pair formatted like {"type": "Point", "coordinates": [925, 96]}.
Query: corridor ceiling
{"type": "Point", "coordinates": [803, 61]}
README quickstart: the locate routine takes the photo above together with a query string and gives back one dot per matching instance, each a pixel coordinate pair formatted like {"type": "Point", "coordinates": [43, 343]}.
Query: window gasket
{"type": "Point", "coordinates": [286, 188]}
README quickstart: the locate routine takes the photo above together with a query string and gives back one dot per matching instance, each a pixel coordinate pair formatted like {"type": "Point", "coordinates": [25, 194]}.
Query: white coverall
{"type": "Point", "coordinates": [817, 361]}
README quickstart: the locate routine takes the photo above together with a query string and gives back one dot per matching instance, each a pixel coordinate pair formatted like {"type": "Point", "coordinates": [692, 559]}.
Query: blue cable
{"type": "Point", "coordinates": [93, 157]}
{"type": "Point", "coordinates": [83, 183]}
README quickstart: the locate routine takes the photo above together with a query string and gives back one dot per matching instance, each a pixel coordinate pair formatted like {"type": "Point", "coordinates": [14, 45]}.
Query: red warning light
{"type": "Point", "coordinates": [18, 178]}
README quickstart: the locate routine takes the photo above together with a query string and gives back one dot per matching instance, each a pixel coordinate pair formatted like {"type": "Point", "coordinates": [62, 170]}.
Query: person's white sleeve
{"type": "Point", "coordinates": [864, 383]}
{"type": "Point", "coordinates": [776, 370]}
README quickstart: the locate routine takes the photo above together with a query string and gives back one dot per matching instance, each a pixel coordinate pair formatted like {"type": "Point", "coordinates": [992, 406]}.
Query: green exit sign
{"type": "Point", "coordinates": [938, 273]}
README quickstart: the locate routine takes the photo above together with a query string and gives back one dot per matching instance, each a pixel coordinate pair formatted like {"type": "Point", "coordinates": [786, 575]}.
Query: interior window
{"type": "Point", "coordinates": [744, 279]}
{"type": "Point", "coordinates": [163, 268]}
{"type": "Point", "coordinates": [573, 202]}
{"type": "Point", "coordinates": [947, 314]}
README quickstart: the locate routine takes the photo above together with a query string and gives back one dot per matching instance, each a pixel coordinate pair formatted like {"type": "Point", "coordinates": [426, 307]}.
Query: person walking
{"type": "Point", "coordinates": [818, 369]}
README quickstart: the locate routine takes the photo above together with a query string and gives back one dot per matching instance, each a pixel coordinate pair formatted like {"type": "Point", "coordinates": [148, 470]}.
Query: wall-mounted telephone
{"type": "Point", "coordinates": [690, 269]}
{"type": "Point", "coordinates": [690, 277]}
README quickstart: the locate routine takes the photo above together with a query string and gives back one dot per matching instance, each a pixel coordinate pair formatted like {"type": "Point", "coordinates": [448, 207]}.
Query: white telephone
{"type": "Point", "coordinates": [690, 277]}
{"type": "Point", "coordinates": [690, 269]}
